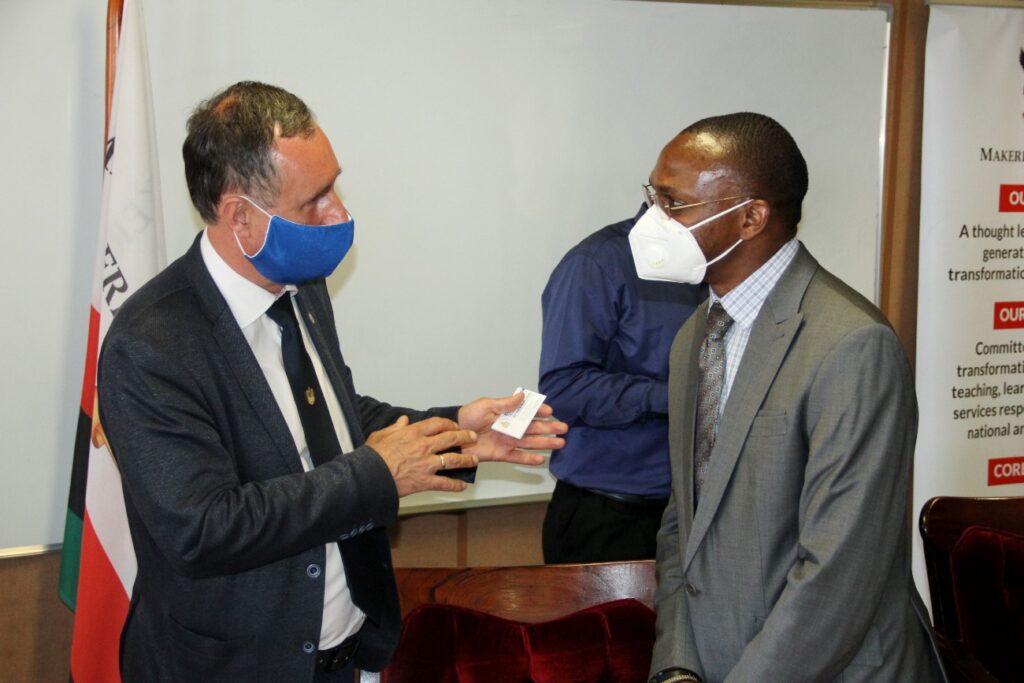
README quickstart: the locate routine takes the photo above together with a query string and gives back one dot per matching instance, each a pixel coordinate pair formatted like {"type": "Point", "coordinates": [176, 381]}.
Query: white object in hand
{"type": "Point", "coordinates": [515, 422]}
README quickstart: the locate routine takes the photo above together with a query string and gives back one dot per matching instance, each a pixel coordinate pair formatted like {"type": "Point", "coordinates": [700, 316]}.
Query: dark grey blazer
{"type": "Point", "coordinates": [796, 564]}
{"type": "Point", "coordinates": [228, 530]}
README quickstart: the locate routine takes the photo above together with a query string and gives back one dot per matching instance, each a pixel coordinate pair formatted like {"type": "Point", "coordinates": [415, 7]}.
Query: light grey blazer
{"type": "Point", "coordinates": [796, 565]}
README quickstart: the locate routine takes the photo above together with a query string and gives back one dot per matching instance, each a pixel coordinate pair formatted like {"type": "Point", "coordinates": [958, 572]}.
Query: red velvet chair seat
{"type": "Point", "coordinates": [988, 584]}
{"type": "Point", "coordinates": [610, 642]}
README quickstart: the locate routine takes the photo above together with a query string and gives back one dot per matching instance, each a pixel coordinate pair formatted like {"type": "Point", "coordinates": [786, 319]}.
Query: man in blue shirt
{"type": "Point", "coordinates": [604, 368]}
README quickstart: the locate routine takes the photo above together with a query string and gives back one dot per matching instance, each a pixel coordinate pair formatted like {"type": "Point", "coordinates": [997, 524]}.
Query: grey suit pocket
{"type": "Point", "coordinates": [769, 423]}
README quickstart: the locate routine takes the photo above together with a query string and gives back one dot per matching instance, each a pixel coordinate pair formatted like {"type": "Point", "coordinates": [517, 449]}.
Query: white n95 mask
{"type": "Point", "coordinates": [665, 250]}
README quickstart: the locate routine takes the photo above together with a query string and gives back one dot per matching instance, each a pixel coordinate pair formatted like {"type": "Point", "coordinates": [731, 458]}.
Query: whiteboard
{"type": "Point", "coordinates": [479, 142]}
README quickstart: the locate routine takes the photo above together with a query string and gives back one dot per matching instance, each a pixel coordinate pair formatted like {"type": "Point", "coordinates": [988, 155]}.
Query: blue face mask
{"type": "Point", "coordinates": [294, 253]}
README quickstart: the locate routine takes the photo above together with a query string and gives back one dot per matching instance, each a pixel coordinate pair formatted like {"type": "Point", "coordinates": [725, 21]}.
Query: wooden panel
{"type": "Point", "coordinates": [35, 645]}
{"type": "Point", "coordinates": [901, 190]}
{"type": "Point", "coordinates": [428, 540]}
{"type": "Point", "coordinates": [504, 536]}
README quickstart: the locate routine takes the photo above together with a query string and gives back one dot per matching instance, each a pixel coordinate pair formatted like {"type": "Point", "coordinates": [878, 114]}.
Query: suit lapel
{"type": "Point", "coordinates": [770, 338]}
{"type": "Point", "coordinates": [238, 353]}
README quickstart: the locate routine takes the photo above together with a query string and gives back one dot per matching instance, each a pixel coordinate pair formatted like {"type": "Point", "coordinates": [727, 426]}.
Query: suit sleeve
{"type": "Point", "coordinates": [376, 414]}
{"type": "Point", "coordinates": [671, 643]}
{"type": "Point", "coordinates": [860, 426]}
{"type": "Point", "coordinates": [581, 308]}
{"type": "Point", "coordinates": [181, 478]}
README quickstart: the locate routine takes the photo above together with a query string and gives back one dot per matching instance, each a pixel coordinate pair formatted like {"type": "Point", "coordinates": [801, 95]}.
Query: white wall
{"type": "Point", "coordinates": [479, 142]}
{"type": "Point", "coordinates": [51, 137]}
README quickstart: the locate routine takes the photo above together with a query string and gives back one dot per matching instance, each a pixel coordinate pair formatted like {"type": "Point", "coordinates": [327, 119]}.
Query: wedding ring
{"type": "Point", "coordinates": [443, 463]}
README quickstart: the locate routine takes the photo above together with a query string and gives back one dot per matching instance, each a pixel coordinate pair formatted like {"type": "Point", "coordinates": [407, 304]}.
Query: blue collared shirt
{"type": "Point", "coordinates": [604, 365]}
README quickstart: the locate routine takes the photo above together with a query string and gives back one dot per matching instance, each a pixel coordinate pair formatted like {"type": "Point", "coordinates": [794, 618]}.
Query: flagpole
{"type": "Point", "coordinates": [115, 8]}
{"type": "Point", "coordinates": [115, 11]}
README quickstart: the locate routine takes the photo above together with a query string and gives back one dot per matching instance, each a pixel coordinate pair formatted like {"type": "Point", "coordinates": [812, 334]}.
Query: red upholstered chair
{"type": "Point", "coordinates": [974, 552]}
{"type": "Point", "coordinates": [557, 624]}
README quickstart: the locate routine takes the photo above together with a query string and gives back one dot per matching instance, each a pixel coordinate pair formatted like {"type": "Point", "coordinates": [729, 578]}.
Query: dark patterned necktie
{"type": "Point", "coordinates": [709, 393]}
{"type": "Point", "coordinates": [321, 439]}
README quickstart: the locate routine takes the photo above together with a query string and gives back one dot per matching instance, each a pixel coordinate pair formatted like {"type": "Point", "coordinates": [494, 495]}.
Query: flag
{"type": "Point", "coordinates": [98, 562]}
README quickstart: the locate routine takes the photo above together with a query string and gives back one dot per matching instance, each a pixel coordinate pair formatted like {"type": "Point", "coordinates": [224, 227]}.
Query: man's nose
{"type": "Point", "coordinates": [336, 212]}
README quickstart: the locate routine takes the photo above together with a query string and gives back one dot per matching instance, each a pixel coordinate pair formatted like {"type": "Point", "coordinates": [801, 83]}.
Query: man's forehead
{"type": "Point", "coordinates": [703, 149]}
{"type": "Point", "coordinates": [306, 165]}
{"type": "Point", "coordinates": [698, 159]}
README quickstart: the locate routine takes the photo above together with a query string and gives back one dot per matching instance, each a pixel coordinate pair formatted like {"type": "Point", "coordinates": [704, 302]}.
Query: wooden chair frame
{"type": "Point", "coordinates": [527, 594]}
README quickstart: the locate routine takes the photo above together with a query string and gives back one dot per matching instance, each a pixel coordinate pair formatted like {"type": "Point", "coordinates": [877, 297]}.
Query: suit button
{"type": "Point", "coordinates": [309, 647]}
{"type": "Point", "coordinates": [313, 571]}
{"type": "Point", "coordinates": [691, 590]}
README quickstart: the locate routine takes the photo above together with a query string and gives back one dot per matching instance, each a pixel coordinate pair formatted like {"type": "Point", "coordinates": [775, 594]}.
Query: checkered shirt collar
{"type": "Point", "coordinates": [744, 302]}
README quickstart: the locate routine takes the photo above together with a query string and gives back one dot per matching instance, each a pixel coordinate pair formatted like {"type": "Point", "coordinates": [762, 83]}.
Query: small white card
{"type": "Point", "coordinates": [515, 422]}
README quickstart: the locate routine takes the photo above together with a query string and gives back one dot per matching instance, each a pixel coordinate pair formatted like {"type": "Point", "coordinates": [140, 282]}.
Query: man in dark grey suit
{"type": "Point", "coordinates": [258, 483]}
{"type": "Point", "coordinates": [784, 551]}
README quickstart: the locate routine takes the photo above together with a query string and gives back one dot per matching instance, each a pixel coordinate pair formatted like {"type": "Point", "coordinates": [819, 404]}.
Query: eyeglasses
{"type": "Point", "coordinates": [671, 206]}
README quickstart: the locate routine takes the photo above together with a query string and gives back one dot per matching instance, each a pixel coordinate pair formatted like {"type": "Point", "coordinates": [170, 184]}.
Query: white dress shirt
{"type": "Point", "coordinates": [249, 303]}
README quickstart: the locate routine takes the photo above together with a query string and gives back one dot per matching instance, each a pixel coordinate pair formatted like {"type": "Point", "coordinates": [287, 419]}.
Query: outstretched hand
{"type": "Point", "coordinates": [543, 434]}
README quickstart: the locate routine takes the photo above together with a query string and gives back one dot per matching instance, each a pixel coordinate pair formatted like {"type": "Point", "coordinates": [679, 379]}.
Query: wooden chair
{"type": "Point", "coordinates": [942, 522]}
{"type": "Point", "coordinates": [530, 594]}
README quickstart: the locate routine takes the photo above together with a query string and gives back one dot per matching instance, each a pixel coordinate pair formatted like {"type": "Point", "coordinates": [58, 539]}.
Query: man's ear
{"type": "Point", "coordinates": [233, 212]}
{"type": "Point", "coordinates": [755, 218]}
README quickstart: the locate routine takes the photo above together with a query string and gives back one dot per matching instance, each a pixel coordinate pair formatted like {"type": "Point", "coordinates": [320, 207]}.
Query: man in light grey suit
{"type": "Point", "coordinates": [784, 552]}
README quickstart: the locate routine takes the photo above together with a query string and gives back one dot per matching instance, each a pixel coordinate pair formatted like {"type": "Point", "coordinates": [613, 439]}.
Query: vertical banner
{"type": "Point", "coordinates": [970, 325]}
{"type": "Point", "coordinates": [98, 563]}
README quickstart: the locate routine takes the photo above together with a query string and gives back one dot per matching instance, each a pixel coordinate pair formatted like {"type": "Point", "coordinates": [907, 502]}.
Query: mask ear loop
{"type": "Point", "coordinates": [725, 253]}
{"type": "Point", "coordinates": [265, 237]}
